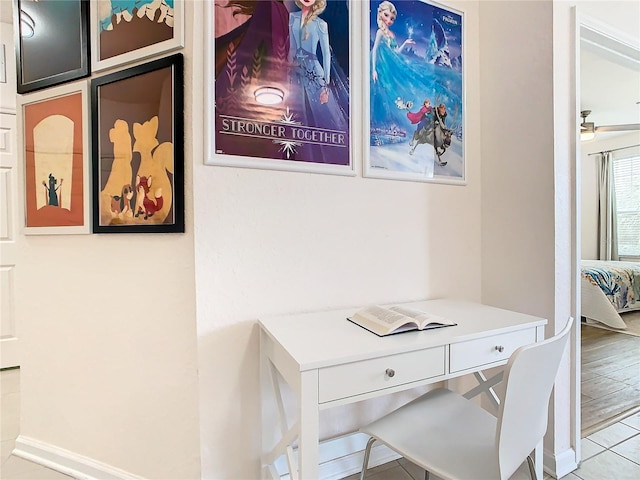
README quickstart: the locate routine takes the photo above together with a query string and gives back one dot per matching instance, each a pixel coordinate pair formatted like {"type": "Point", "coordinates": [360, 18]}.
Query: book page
{"type": "Point", "coordinates": [423, 318]}
{"type": "Point", "coordinates": [382, 321]}
{"type": "Point", "coordinates": [382, 315]}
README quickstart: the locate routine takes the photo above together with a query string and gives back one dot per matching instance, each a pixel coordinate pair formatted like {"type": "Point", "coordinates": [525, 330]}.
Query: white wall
{"type": "Point", "coordinates": [108, 337]}
{"type": "Point", "coordinates": [589, 182]}
{"type": "Point", "coordinates": [563, 440]}
{"type": "Point", "coordinates": [272, 242]}
{"type": "Point", "coordinates": [8, 88]}
{"type": "Point", "coordinates": [524, 183]}
{"type": "Point", "coordinates": [150, 382]}
{"type": "Point", "coordinates": [529, 199]}
{"type": "Point", "coordinates": [517, 155]}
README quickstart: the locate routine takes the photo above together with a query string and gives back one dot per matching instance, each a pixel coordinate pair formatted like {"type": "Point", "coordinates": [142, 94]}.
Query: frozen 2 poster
{"type": "Point", "coordinates": [282, 81]}
{"type": "Point", "coordinates": [415, 92]}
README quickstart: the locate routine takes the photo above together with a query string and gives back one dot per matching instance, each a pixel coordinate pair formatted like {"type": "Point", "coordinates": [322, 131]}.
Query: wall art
{"type": "Point", "coordinates": [415, 99]}
{"type": "Point", "coordinates": [55, 147]}
{"type": "Point", "coordinates": [279, 95]}
{"type": "Point", "coordinates": [126, 31]}
{"type": "Point", "coordinates": [51, 42]}
{"type": "Point", "coordinates": [137, 148]}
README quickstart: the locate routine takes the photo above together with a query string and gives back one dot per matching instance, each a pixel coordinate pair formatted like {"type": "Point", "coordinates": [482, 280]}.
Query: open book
{"type": "Point", "coordinates": [386, 321]}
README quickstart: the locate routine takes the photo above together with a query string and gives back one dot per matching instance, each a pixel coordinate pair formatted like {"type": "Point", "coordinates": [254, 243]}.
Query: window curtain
{"type": "Point", "coordinates": [607, 228]}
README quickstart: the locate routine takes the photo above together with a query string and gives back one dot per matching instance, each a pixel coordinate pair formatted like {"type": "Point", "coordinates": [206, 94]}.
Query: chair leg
{"type": "Point", "coordinates": [532, 468]}
{"type": "Point", "coordinates": [367, 452]}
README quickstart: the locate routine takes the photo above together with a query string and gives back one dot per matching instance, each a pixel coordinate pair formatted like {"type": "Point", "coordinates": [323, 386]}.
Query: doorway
{"type": "Point", "coordinates": [9, 197]}
{"type": "Point", "coordinates": [607, 58]}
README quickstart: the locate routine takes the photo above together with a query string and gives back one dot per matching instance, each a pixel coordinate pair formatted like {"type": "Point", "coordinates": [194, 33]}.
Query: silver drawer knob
{"type": "Point", "coordinates": [500, 348]}
{"type": "Point", "coordinates": [390, 372]}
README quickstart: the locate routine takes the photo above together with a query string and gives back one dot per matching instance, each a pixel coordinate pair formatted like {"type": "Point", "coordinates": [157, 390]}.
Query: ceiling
{"type": "Point", "coordinates": [609, 80]}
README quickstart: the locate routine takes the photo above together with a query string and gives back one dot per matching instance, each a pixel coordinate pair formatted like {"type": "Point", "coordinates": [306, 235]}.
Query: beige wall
{"type": "Point", "coordinates": [623, 16]}
{"type": "Point", "coordinates": [524, 184]}
{"type": "Point", "coordinates": [108, 344]}
{"type": "Point", "coordinates": [111, 351]}
{"type": "Point", "coordinates": [517, 154]}
{"type": "Point", "coordinates": [271, 242]}
{"type": "Point", "coordinates": [141, 351]}
{"type": "Point", "coordinates": [7, 89]}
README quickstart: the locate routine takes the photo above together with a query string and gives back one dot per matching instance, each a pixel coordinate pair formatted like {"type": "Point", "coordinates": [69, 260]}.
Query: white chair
{"type": "Point", "coordinates": [454, 438]}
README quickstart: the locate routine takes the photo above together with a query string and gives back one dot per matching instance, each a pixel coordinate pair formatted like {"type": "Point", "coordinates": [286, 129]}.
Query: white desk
{"type": "Point", "coordinates": [329, 361]}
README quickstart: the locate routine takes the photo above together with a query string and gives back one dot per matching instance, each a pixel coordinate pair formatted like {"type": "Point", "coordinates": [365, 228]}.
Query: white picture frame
{"type": "Point", "coordinates": [53, 134]}
{"type": "Point", "coordinates": [414, 73]}
{"type": "Point", "coordinates": [217, 155]}
{"type": "Point", "coordinates": [168, 26]}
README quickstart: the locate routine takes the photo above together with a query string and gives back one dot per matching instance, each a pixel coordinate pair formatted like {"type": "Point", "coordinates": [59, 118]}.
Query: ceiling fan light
{"type": "Point", "coordinates": [587, 135]}
{"type": "Point", "coordinates": [587, 129]}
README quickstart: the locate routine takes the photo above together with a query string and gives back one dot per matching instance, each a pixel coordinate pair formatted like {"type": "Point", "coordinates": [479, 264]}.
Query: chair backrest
{"type": "Point", "coordinates": [522, 420]}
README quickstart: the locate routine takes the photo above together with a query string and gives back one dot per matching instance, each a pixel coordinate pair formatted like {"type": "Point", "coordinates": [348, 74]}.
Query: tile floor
{"type": "Point", "coordinates": [611, 453]}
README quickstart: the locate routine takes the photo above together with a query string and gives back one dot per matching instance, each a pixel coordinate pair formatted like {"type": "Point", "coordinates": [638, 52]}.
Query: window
{"type": "Point", "coordinates": [626, 174]}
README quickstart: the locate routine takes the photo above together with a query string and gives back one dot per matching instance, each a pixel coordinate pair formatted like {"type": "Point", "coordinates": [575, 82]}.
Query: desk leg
{"type": "Point", "coordinates": [308, 426]}
{"type": "Point", "coordinates": [485, 386]}
{"type": "Point", "coordinates": [268, 420]}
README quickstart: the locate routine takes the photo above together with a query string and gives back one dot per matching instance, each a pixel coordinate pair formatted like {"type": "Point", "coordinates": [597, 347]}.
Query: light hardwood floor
{"type": "Point", "coordinates": [610, 380]}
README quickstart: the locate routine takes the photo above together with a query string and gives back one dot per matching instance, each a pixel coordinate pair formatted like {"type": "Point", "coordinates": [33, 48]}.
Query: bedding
{"type": "Point", "coordinates": [608, 289]}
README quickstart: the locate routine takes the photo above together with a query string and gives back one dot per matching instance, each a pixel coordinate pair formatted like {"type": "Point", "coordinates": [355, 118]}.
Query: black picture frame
{"type": "Point", "coordinates": [137, 132]}
{"type": "Point", "coordinates": [53, 55]}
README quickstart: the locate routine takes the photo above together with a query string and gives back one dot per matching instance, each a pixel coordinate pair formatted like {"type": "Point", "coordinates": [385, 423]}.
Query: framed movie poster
{"type": "Point", "coordinates": [126, 31]}
{"type": "Point", "coordinates": [138, 152]}
{"type": "Point", "coordinates": [51, 42]}
{"type": "Point", "coordinates": [415, 91]}
{"type": "Point", "coordinates": [280, 94]}
{"type": "Point", "coordinates": [55, 149]}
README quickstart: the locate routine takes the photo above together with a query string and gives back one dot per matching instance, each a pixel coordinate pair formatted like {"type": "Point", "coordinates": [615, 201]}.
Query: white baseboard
{"type": "Point", "coordinates": [343, 456]}
{"type": "Point", "coordinates": [67, 462]}
{"type": "Point", "coordinates": [560, 465]}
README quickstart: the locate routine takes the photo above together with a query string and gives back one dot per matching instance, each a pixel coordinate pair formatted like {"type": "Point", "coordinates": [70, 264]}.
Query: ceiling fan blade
{"type": "Point", "coordinates": [618, 128]}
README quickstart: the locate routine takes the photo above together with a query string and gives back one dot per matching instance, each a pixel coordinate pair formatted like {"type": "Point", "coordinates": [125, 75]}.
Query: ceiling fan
{"type": "Point", "coordinates": [588, 129]}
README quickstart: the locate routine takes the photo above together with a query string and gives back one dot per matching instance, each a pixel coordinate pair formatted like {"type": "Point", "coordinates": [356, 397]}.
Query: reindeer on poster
{"type": "Point", "coordinates": [435, 133]}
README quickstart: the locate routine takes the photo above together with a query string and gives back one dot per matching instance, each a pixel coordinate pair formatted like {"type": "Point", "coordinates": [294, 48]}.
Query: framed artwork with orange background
{"type": "Point", "coordinates": [137, 148]}
{"type": "Point", "coordinates": [55, 148]}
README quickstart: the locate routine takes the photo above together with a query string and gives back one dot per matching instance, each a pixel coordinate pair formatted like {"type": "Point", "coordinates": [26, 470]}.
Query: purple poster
{"type": "Point", "coordinates": [281, 82]}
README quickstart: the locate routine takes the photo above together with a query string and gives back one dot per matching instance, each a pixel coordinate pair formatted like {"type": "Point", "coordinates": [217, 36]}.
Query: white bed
{"type": "Point", "coordinates": [608, 289]}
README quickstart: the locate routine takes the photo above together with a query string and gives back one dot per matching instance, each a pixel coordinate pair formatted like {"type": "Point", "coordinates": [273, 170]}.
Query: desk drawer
{"type": "Point", "coordinates": [484, 351]}
{"type": "Point", "coordinates": [356, 378]}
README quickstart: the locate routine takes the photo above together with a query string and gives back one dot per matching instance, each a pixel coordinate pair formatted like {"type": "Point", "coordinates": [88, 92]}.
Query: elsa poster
{"type": "Point", "coordinates": [282, 80]}
{"type": "Point", "coordinates": [415, 91]}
